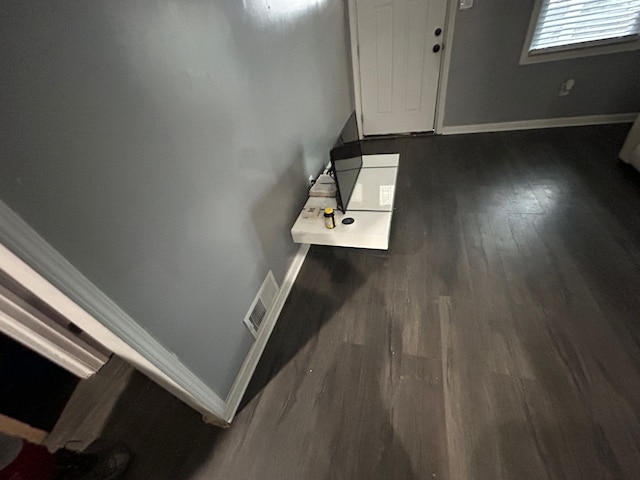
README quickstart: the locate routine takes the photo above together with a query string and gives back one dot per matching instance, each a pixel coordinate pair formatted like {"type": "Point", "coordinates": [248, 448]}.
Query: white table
{"type": "Point", "coordinates": [371, 207]}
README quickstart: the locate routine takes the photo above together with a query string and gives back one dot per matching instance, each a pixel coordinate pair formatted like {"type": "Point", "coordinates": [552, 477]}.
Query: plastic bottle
{"type": "Point", "coordinates": [329, 218]}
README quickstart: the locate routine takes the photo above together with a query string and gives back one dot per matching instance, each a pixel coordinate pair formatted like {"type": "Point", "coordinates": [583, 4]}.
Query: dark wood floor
{"type": "Point", "coordinates": [498, 338]}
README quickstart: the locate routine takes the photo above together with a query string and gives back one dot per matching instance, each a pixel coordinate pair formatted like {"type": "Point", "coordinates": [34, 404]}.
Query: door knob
{"type": "Point", "coordinates": [436, 48]}
{"type": "Point", "coordinates": [437, 32]}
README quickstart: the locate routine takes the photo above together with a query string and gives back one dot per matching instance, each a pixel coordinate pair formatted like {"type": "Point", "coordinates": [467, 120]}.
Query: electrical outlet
{"type": "Point", "coordinates": [566, 86]}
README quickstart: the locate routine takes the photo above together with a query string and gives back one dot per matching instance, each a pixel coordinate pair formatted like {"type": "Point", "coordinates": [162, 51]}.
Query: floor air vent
{"type": "Point", "coordinates": [262, 304]}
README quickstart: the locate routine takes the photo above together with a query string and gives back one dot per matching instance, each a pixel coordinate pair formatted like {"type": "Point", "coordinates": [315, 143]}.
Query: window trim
{"type": "Point", "coordinates": [566, 52]}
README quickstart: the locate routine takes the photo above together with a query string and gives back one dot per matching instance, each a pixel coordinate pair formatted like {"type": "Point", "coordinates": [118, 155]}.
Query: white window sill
{"type": "Point", "coordinates": [566, 54]}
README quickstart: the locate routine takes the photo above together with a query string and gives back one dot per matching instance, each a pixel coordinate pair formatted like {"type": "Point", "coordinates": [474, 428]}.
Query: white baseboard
{"type": "Point", "coordinates": [251, 362]}
{"type": "Point", "coordinates": [540, 123]}
{"type": "Point", "coordinates": [32, 262]}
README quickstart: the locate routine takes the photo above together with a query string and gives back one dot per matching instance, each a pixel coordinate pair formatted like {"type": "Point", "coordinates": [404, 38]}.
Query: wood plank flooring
{"type": "Point", "coordinates": [498, 338]}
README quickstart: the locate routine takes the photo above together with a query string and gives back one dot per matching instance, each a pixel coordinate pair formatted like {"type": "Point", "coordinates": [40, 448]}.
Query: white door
{"type": "Point", "coordinates": [399, 46]}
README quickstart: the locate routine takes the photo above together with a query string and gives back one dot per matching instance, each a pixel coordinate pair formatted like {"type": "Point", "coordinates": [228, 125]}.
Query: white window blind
{"type": "Point", "coordinates": [573, 22]}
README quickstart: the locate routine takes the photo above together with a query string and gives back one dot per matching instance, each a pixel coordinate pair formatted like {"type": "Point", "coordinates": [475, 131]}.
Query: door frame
{"type": "Point", "coordinates": [450, 22]}
{"type": "Point", "coordinates": [26, 324]}
{"type": "Point", "coordinates": [445, 61]}
{"type": "Point", "coordinates": [355, 63]}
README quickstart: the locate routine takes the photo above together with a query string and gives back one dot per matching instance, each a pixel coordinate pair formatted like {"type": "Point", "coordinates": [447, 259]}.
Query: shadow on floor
{"type": "Point", "coordinates": [327, 280]}
{"type": "Point", "coordinates": [159, 428]}
{"type": "Point", "coordinates": [170, 441]}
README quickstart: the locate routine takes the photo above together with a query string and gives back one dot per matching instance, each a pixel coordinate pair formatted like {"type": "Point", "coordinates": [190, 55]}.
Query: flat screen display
{"type": "Point", "coordinates": [346, 162]}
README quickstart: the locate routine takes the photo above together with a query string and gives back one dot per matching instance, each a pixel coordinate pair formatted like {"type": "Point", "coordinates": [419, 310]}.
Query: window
{"type": "Point", "coordinates": [562, 29]}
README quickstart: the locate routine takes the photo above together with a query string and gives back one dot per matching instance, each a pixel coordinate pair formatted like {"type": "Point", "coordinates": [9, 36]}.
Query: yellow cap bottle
{"type": "Point", "coordinates": [329, 218]}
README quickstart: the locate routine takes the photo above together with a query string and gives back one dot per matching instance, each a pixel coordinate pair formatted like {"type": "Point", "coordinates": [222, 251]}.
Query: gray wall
{"type": "Point", "coordinates": [163, 147]}
{"type": "Point", "coordinates": [487, 85]}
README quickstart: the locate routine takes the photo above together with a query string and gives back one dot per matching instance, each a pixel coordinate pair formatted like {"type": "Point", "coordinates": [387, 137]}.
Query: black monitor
{"type": "Point", "coordinates": [346, 162]}
{"type": "Point", "coordinates": [349, 131]}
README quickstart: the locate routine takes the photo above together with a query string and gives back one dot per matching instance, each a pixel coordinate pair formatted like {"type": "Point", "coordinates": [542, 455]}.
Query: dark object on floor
{"type": "Point", "coordinates": [348, 220]}
{"type": "Point", "coordinates": [104, 464]}
{"type": "Point", "coordinates": [33, 462]}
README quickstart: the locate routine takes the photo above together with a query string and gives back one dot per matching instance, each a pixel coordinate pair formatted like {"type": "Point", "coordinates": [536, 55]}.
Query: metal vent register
{"type": "Point", "coordinates": [262, 304]}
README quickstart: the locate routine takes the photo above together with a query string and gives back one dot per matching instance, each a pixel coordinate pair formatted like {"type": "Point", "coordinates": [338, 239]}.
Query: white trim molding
{"type": "Point", "coordinates": [32, 328]}
{"type": "Point", "coordinates": [251, 362]}
{"type": "Point", "coordinates": [352, 14]}
{"type": "Point", "coordinates": [540, 123]}
{"type": "Point", "coordinates": [31, 262]}
{"type": "Point", "coordinates": [450, 23]}
{"type": "Point", "coordinates": [577, 50]}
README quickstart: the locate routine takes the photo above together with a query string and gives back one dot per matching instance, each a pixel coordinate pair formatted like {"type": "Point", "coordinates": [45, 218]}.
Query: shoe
{"type": "Point", "coordinates": [108, 464]}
